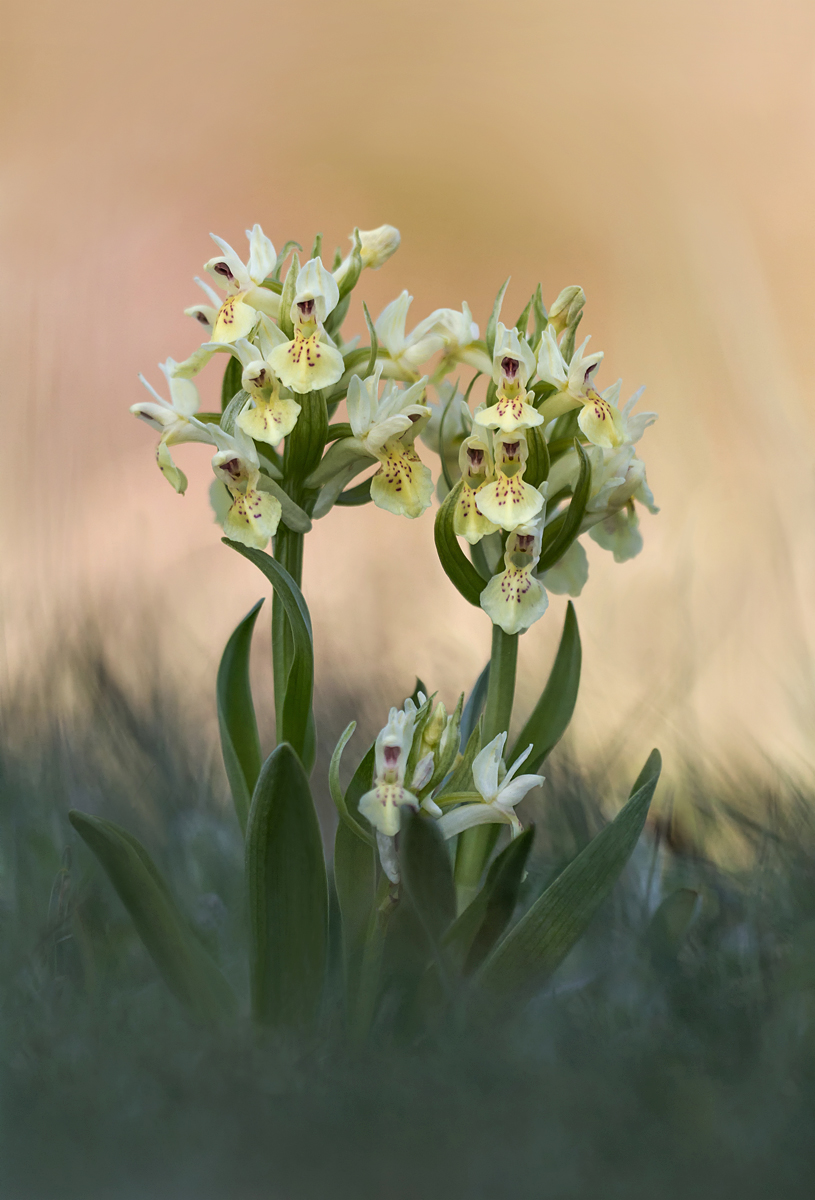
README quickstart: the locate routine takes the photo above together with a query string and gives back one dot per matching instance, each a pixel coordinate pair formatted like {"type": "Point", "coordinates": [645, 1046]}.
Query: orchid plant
{"type": "Point", "coordinates": [542, 460]}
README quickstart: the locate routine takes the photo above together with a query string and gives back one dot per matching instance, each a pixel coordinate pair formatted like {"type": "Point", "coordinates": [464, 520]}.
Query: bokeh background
{"type": "Point", "coordinates": [659, 152]}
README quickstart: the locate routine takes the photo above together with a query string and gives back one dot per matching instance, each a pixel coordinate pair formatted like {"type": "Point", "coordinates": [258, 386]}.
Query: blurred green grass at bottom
{"type": "Point", "coordinates": [652, 1065]}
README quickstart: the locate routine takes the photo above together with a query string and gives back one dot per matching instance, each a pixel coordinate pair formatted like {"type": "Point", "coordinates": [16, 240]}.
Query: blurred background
{"type": "Point", "coordinates": [658, 153]}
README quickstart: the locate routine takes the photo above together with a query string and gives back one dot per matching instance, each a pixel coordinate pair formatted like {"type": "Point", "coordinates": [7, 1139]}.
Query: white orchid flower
{"type": "Point", "coordinates": [384, 430]}
{"type": "Point", "coordinates": [407, 352]}
{"type": "Point", "coordinates": [570, 574]}
{"type": "Point", "coordinates": [477, 470]}
{"type": "Point", "coordinates": [500, 792]}
{"type": "Point", "coordinates": [310, 361]}
{"type": "Point", "coordinates": [509, 501]}
{"type": "Point", "coordinates": [619, 533]}
{"type": "Point", "coordinates": [254, 515]}
{"type": "Point", "coordinates": [383, 803]}
{"type": "Point", "coordinates": [205, 314]}
{"type": "Point", "coordinates": [459, 334]}
{"type": "Point", "coordinates": [270, 417]}
{"type": "Point", "coordinates": [515, 598]}
{"type": "Point", "coordinates": [238, 313]}
{"type": "Point", "coordinates": [600, 420]}
{"type": "Point", "coordinates": [174, 419]}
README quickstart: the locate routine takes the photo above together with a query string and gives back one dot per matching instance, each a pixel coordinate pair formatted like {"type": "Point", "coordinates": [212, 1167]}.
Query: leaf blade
{"type": "Point", "coordinates": [287, 893]}
{"type": "Point", "coordinates": [550, 717]}
{"type": "Point", "coordinates": [535, 947]}
{"type": "Point", "coordinates": [240, 743]}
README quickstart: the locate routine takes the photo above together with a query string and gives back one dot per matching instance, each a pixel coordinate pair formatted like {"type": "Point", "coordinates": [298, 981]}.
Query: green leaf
{"type": "Point", "coordinates": [181, 960]}
{"type": "Point", "coordinates": [337, 315]}
{"type": "Point", "coordinates": [349, 279]}
{"type": "Point", "coordinates": [300, 683]}
{"type": "Point", "coordinates": [361, 782]}
{"type": "Point", "coordinates": [527, 957]}
{"type": "Point", "coordinates": [231, 384]}
{"type": "Point", "coordinates": [427, 874]}
{"type": "Point", "coordinates": [537, 465]}
{"type": "Point", "coordinates": [565, 528]}
{"type": "Point", "coordinates": [541, 318]}
{"type": "Point", "coordinates": [445, 470]}
{"type": "Point", "coordinates": [338, 431]}
{"type": "Point", "coordinates": [422, 687]}
{"type": "Point", "coordinates": [287, 894]}
{"type": "Point", "coordinates": [475, 705]}
{"type": "Point", "coordinates": [492, 324]}
{"type": "Point", "coordinates": [471, 937]}
{"type": "Point", "coordinates": [457, 567]}
{"type": "Point", "coordinates": [553, 712]}
{"type": "Point", "coordinates": [351, 819]}
{"type": "Point", "coordinates": [240, 744]}
{"type": "Point", "coordinates": [292, 515]}
{"type": "Point", "coordinates": [317, 248]}
{"type": "Point", "coordinates": [287, 297]}
{"type": "Point", "coordinates": [523, 320]}
{"type": "Point", "coordinates": [374, 341]}
{"type": "Point", "coordinates": [355, 867]}
{"type": "Point", "coordinates": [281, 258]}
{"type": "Point", "coordinates": [355, 496]}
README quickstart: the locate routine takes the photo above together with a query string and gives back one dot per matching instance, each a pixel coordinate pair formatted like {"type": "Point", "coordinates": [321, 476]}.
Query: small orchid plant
{"type": "Point", "coordinates": [542, 460]}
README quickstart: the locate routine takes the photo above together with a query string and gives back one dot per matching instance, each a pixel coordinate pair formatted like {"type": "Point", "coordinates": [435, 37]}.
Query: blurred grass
{"type": "Point", "coordinates": [656, 1063]}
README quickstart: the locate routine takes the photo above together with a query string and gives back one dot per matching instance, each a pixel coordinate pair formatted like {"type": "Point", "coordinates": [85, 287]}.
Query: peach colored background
{"type": "Point", "coordinates": [660, 153]}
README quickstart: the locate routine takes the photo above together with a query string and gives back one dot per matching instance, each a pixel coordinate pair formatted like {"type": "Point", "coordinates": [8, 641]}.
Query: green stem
{"type": "Point", "coordinates": [288, 550]}
{"type": "Point", "coordinates": [476, 845]}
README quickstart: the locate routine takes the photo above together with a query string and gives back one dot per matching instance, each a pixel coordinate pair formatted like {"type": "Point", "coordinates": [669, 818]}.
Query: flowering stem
{"type": "Point", "coordinates": [476, 845]}
{"type": "Point", "coordinates": [288, 550]}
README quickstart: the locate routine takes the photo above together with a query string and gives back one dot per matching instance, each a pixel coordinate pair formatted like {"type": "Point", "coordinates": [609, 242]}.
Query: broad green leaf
{"type": "Point", "coordinates": [287, 297]}
{"type": "Point", "coordinates": [287, 894]}
{"type": "Point", "coordinates": [566, 527]}
{"type": "Point", "coordinates": [296, 727]}
{"type": "Point", "coordinates": [472, 936]}
{"type": "Point", "coordinates": [355, 880]}
{"type": "Point", "coordinates": [475, 705]}
{"type": "Point", "coordinates": [181, 960]}
{"type": "Point", "coordinates": [427, 874]}
{"type": "Point", "coordinates": [492, 324]}
{"type": "Point", "coordinates": [458, 568]}
{"type": "Point", "coordinates": [231, 384]}
{"type": "Point", "coordinates": [240, 744]}
{"type": "Point", "coordinates": [553, 712]}
{"type": "Point", "coordinates": [351, 819]}
{"type": "Point", "coordinates": [530, 953]}
{"type": "Point", "coordinates": [306, 442]}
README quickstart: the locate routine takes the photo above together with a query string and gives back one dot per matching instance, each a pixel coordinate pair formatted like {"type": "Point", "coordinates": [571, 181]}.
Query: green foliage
{"type": "Point", "coordinates": [537, 945]}
{"type": "Point", "coordinates": [565, 528]}
{"type": "Point", "coordinates": [296, 716]}
{"type": "Point", "coordinates": [287, 895]}
{"type": "Point", "coordinates": [181, 960]}
{"type": "Point", "coordinates": [473, 935]}
{"type": "Point", "coordinates": [240, 744]}
{"type": "Point", "coordinates": [492, 324]}
{"type": "Point", "coordinates": [231, 384]}
{"type": "Point", "coordinates": [457, 567]}
{"type": "Point", "coordinates": [553, 712]}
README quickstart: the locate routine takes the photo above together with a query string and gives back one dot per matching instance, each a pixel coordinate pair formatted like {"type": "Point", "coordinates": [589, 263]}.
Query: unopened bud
{"type": "Point", "coordinates": [377, 245]}
{"type": "Point", "coordinates": [567, 308]}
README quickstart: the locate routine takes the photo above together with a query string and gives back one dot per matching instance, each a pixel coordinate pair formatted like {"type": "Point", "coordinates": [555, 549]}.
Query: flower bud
{"type": "Point", "coordinates": [377, 245]}
{"type": "Point", "coordinates": [566, 309]}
